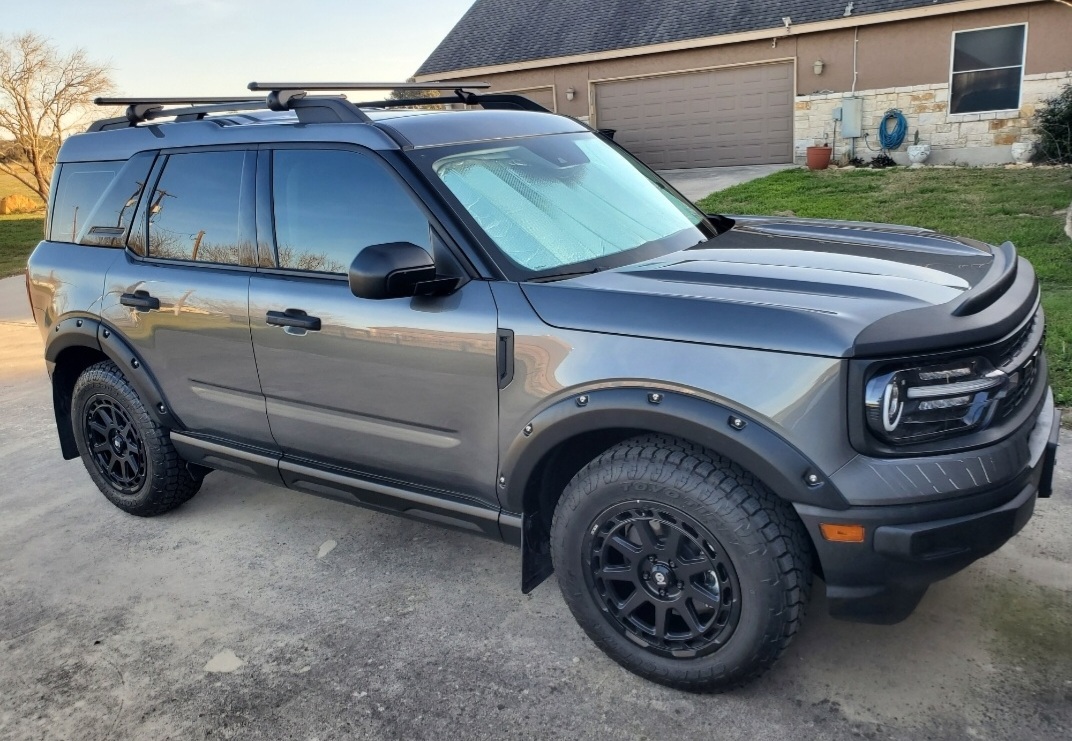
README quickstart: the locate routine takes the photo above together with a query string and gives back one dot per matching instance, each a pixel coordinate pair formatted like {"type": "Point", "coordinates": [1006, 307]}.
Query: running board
{"type": "Point", "coordinates": [441, 508]}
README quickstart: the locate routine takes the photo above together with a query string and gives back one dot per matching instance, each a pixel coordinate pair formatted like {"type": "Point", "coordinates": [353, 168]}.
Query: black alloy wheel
{"type": "Point", "coordinates": [681, 565]}
{"type": "Point", "coordinates": [116, 447]}
{"type": "Point", "coordinates": [128, 454]}
{"type": "Point", "coordinates": [663, 578]}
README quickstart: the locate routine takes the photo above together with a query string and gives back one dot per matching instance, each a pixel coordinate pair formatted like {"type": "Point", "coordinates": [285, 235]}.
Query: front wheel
{"type": "Point", "coordinates": [680, 565]}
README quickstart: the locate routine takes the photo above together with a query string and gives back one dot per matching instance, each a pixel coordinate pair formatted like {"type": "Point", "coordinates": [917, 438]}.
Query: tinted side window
{"type": "Point", "coordinates": [331, 204]}
{"type": "Point", "coordinates": [195, 210]}
{"type": "Point", "coordinates": [107, 224]}
{"type": "Point", "coordinates": [79, 188]}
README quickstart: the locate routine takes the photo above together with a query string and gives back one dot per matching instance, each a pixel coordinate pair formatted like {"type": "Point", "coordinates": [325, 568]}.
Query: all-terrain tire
{"type": "Point", "coordinates": [760, 544]}
{"type": "Point", "coordinates": [141, 472]}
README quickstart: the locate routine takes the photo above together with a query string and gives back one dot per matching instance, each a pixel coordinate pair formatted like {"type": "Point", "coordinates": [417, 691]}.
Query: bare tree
{"type": "Point", "coordinates": [410, 94]}
{"type": "Point", "coordinates": [43, 95]}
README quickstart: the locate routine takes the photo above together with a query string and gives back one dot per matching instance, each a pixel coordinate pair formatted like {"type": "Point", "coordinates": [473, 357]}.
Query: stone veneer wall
{"type": "Point", "coordinates": [972, 138]}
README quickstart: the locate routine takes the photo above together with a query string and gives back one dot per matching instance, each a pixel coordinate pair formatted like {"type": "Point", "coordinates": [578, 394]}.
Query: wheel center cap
{"type": "Point", "coordinates": [117, 443]}
{"type": "Point", "coordinates": [662, 576]}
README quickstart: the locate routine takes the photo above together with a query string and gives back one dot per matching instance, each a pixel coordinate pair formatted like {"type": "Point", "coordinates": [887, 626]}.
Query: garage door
{"type": "Point", "coordinates": [734, 116]}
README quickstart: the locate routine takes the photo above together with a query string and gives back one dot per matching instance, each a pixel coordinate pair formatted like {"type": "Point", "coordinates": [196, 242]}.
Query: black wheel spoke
{"type": "Point", "coordinates": [672, 543]}
{"type": "Point", "coordinates": [101, 447]}
{"type": "Point", "coordinates": [648, 542]}
{"type": "Point", "coordinates": [625, 546]}
{"type": "Point", "coordinates": [98, 428]}
{"type": "Point", "coordinates": [690, 618]}
{"type": "Point", "coordinates": [661, 612]}
{"type": "Point", "coordinates": [631, 603]}
{"type": "Point", "coordinates": [701, 594]}
{"type": "Point", "coordinates": [693, 567]}
{"type": "Point", "coordinates": [617, 573]}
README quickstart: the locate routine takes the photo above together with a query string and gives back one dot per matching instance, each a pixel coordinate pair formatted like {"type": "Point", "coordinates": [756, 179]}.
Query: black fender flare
{"type": "Point", "coordinates": [91, 333]}
{"type": "Point", "coordinates": [741, 437]}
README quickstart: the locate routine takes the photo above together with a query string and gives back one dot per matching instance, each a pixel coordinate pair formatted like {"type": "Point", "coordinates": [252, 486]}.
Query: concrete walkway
{"type": "Point", "coordinates": [700, 182]}
{"type": "Point", "coordinates": [14, 304]}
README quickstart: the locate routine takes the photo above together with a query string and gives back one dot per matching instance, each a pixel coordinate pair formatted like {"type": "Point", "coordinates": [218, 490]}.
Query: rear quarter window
{"type": "Point", "coordinates": [78, 189]}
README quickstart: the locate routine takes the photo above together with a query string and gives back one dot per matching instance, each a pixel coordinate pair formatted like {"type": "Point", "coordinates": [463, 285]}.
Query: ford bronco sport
{"type": "Point", "coordinates": [495, 319]}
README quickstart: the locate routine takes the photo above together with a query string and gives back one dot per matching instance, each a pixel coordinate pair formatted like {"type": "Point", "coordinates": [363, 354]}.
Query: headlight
{"type": "Point", "coordinates": [911, 405]}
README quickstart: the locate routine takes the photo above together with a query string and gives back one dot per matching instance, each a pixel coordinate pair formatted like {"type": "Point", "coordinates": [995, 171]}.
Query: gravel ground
{"type": "Point", "coordinates": [254, 612]}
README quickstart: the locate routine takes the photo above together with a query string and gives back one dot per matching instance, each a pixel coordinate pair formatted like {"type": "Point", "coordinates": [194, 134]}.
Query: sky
{"type": "Point", "coordinates": [215, 47]}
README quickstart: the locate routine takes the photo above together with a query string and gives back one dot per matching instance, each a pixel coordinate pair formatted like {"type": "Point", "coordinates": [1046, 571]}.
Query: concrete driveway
{"type": "Point", "coordinates": [254, 612]}
{"type": "Point", "coordinates": [700, 182]}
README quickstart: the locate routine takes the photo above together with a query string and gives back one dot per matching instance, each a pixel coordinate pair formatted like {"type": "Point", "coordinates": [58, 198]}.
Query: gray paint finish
{"type": "Point", "coordinates": [402, 388]}
{"type": "Point", "coordinates": [735, 116]}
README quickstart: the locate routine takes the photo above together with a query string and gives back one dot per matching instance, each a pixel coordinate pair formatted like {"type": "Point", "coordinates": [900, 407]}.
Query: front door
{"type": "Point", "coordinates": [180, 296]}
{"type": "Point", "coordinates": [401, 389]}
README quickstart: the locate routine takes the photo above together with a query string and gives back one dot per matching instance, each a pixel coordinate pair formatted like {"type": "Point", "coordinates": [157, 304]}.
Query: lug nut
{"type": "Point", "coordinates": [672, 564]}
{"type": "Point", "coordinates": [651, 559]}
{"type": "Point", "coordinates": [812, 479]}
{"type": "Point", "coordinates": [681, 585]}
{"type": "Point", "coordinates": [645, 576]}
{"type": "Point", "coordinates": [662, 592]}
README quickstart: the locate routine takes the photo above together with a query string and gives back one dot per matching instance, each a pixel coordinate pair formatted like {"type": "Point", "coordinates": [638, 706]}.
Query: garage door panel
{"type": "Point", "coordinates": [735, 116]}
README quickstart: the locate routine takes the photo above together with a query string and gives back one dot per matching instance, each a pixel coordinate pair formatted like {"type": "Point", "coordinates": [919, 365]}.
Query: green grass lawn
{"type": "Point", "coordinates": [19, 234]}
{"type": "Point", "coordinates": [989, 205]}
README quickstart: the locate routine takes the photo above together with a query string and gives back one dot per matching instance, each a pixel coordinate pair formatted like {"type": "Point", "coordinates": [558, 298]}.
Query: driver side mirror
{"type": "Point", "coordinates": [392, 270]}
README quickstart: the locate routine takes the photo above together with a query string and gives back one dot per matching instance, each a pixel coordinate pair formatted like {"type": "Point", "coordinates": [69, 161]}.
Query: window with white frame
{"type": "Point", "coordinates": [988, 69]}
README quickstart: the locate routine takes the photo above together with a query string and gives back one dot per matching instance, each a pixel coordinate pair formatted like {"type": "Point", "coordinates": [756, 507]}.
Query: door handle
{"type": "Point", "coordinates": [295, 318]}
{"type": "Point", "coordinates": [140, 300]}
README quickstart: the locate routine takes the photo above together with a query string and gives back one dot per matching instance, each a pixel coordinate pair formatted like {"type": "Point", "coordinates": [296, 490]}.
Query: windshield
{"type": "Point", "coordinates": [568, 201]}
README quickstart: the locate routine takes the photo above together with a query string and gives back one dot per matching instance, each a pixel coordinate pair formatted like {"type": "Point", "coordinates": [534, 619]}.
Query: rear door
{"type": "Point", "coordinates": [403, 389]}
{"type": "Point", "coordinates": [180, 295]}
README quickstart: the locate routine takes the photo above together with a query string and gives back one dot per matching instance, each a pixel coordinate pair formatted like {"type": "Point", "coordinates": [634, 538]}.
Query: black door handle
{"type": "Point", "coordinates": [293, 318]}
{"type": "Point", "coordinates": [140, 300]}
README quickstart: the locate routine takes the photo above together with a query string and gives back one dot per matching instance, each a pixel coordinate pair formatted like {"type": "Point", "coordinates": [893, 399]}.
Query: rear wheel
{"type": "Point", "coordinates": [129, 457]}
{"type": "Point", "coordinates": [681, 565]}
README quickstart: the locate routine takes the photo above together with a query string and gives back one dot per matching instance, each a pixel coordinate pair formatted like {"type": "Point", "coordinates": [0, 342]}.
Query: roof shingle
{"type": "Point", "coordinates": [497, 32]}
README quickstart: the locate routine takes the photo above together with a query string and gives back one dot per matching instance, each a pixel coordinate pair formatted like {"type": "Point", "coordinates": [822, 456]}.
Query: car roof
{"type": "Point", "coordinates": [386, 129]}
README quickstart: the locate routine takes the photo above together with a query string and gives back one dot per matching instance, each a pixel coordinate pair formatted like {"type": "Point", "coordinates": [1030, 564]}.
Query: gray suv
{"type": "Point", "coordinates": [494, 319]}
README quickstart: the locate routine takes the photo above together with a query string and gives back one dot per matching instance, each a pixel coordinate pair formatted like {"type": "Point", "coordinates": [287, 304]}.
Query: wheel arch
{"type": "Point", "coordinates": [77, 342]}
{"type": "Point", "coordinates": [564, 437]}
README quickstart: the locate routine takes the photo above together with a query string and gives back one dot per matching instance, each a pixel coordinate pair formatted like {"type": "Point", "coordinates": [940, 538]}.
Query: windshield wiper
{"type": "Point", "coordinates": [564, 276]}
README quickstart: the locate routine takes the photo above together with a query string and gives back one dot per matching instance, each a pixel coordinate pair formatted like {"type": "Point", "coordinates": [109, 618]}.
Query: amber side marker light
{"type": "Point", "coordinates": [843, 533]}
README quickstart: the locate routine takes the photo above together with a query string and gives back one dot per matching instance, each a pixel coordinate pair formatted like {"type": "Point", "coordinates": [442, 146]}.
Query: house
{"type": "Point", "coordinates": [696, 83]}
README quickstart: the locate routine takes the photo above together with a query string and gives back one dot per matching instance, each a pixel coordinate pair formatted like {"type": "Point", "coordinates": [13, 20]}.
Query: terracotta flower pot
{"type": "Point", "coordinates": [819, 157]}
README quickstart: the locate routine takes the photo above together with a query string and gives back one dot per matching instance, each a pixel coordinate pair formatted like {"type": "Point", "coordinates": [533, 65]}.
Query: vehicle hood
{"type": "Point", "coordinates": [789, 285]}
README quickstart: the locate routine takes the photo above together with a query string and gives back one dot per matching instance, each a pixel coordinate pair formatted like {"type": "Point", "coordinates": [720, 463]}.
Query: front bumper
{"type": "Point", "coordinates": [907, 547]}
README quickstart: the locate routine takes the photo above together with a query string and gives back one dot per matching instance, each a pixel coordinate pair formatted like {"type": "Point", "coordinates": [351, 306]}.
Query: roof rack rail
{"type": "Point", "coordinates": [488, 101]}
{"type": "Point", "coordinates": [293, 96]}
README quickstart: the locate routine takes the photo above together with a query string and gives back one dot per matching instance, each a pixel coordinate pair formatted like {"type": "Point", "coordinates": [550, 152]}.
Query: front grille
{"type": "Point", "coordinates": [1020, 359]}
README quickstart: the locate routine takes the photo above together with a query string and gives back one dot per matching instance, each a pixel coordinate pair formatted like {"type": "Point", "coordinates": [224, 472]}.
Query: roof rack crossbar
{"type": "Point", "coordinates": [319, 86]}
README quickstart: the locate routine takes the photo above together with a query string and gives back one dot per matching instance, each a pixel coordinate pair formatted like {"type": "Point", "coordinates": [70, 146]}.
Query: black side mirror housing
{"type": "Point", "coordinates": [391, 270]}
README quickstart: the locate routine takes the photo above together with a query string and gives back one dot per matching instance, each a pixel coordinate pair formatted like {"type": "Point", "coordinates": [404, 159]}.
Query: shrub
{"type": "Point", "coordinates": [1053, 126]}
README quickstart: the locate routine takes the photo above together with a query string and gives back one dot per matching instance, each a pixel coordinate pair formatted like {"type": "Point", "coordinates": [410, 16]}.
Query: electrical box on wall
{"type": "Point", "coordinates": [852, 118]}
